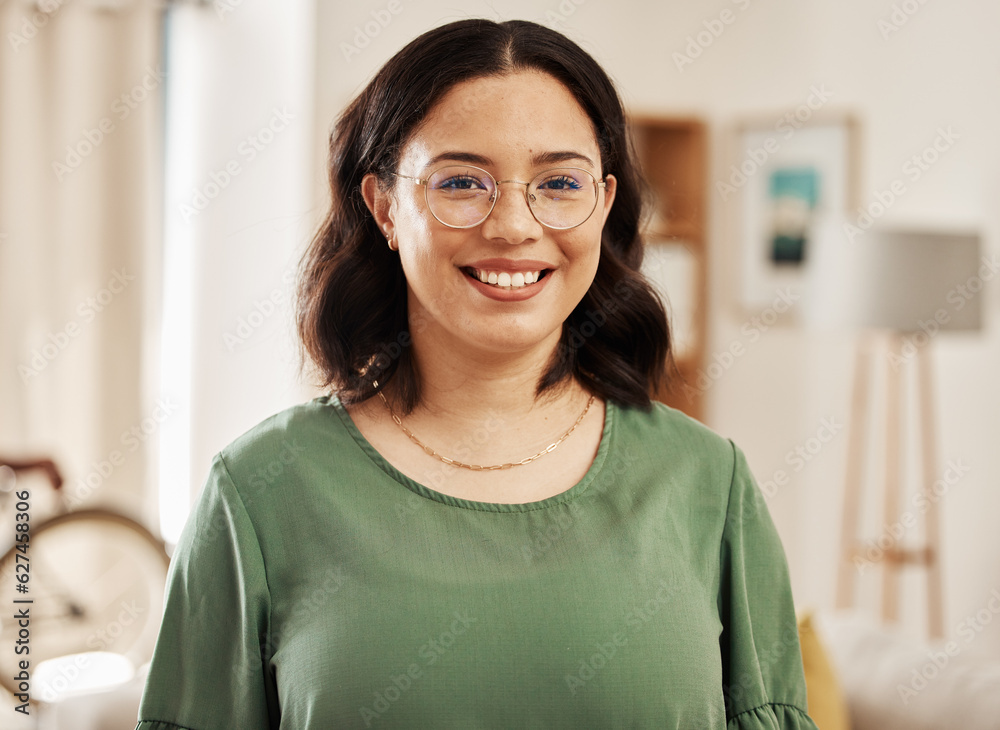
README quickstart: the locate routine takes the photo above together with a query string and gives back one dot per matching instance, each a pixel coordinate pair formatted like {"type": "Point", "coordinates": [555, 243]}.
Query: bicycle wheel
{"type": "Point", "coordinates": [96, 583]}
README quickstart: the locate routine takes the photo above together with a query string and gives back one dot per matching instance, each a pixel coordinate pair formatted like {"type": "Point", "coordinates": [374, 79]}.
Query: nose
{"type": "Point", "coordinates": [511, 220]}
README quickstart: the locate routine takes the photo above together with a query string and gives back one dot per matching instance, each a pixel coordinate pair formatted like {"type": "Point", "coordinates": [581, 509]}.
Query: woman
{"type": "Point", "coordinates": [488, 524]}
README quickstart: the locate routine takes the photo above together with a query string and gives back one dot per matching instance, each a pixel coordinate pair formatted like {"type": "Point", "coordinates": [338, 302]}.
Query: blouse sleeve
{"type": "Point", "coordinates": [210, 665]}
{"type": "Point", "coordinates": [763, 681]}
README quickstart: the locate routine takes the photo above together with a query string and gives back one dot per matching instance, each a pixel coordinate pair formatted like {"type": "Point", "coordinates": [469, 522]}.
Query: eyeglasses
{"type": "Point", "coordinates": [463, 196]}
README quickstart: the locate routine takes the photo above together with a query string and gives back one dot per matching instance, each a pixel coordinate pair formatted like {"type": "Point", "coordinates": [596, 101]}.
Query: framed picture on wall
{"type": "Point", "coordinates": [787, 176]}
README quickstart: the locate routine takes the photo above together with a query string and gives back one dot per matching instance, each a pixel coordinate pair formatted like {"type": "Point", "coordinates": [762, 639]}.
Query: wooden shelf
{"type": "Point", "coordinates": [679, 231]}
{"type": "Point", "coordinates": [687, 399]}
{"type": "Point", "coordinates": [673, 155]}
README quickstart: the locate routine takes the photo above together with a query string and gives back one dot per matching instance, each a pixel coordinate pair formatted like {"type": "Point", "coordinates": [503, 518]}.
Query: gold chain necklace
{"type": "Point", "coordinates": [476, 467]}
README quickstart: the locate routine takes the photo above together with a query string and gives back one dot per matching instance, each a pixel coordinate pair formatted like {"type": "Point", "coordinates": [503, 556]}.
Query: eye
{"type": "Point", "coordinates": [460, 182]}
{"type": "Point", "coordinates": [560, 182]}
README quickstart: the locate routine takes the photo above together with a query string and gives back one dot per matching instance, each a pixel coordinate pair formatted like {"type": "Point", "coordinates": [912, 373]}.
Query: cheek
{"type": "Point", "coordinates": [589, 253]}
{"type": "Point", "coordinates": [409, 216]}
{"type": "Point", "coordinates": [415, 237]}
{"type": "Point", "coordinates": [589, 260]}
{"type": "Point", "coordinates": [426, 254]}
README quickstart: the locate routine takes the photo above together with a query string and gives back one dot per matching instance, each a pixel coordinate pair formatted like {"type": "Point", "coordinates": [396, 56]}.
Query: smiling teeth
{"type": "Point", "coordinates": [506, 280]}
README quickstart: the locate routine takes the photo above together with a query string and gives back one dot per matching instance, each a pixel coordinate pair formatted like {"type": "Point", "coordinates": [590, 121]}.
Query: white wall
{"type": "Point", "coordinates": [939, 69]}
{"type": "Point", "coordinates": [240, 97]}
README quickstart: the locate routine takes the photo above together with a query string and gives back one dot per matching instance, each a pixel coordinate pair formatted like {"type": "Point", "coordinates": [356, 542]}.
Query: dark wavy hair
{"type": "Point", "coordinates": [352, 303]}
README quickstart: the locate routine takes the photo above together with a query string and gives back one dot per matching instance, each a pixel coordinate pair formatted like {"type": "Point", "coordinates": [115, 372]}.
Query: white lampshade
{"type": "Point", "coordinates": [901, 280]}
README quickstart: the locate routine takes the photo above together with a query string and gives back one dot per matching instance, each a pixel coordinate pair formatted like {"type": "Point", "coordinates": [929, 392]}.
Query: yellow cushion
{"type": "Point", "coordinates": [826, 701]}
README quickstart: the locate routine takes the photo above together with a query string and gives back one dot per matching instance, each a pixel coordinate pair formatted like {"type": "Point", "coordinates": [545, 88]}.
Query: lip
{"type": "Point", "coordinates": [508, 295]}
{"type": "Point", "coordinates": [509, 265]}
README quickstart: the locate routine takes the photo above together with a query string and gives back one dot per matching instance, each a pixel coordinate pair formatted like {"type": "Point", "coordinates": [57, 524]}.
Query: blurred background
{"type": "Point", "coordinates": [162, 167]}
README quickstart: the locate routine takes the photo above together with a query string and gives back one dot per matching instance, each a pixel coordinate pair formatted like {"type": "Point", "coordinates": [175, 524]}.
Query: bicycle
{"type": "Point", "coordinates": [95, 579]}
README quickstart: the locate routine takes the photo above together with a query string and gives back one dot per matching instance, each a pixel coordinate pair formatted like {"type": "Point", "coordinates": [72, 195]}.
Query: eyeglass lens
{"type": "Point", "coordinates": [463, 196]}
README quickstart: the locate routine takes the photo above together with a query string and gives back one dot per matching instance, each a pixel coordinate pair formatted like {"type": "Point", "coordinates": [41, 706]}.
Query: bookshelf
{"type": "Point", "coordinates": [672, 152]}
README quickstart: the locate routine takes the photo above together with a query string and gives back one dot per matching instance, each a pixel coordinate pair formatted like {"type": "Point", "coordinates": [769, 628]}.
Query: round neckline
{"type": "Point", "coordinates": [610, 411]}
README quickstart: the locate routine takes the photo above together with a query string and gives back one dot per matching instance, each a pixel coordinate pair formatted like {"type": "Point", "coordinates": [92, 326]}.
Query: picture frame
{"type": "Point", "coordinates": [786, 174]}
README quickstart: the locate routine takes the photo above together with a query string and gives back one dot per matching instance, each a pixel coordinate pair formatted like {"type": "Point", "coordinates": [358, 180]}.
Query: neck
{"type": "Point", "coordinates": [456, 382]}
{"type": "Point", "coordinates": [466, 386]}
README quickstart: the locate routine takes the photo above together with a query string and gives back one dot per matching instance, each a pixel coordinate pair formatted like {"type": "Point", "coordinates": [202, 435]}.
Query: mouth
{"type": "Point", "coordinates": [509, 280]}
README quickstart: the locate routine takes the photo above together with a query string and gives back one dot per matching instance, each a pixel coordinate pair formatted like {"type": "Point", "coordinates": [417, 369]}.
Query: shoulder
{"type": "Point", "coordinates": [665, 449]}
{"type": "Point", "coordinates": [289, 437]}
{"type": "Point", "coordinates": [676, 436]}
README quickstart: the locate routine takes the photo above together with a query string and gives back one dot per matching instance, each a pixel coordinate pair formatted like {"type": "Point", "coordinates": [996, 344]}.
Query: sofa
{"type": "Point", "coordinates": [888, 680]}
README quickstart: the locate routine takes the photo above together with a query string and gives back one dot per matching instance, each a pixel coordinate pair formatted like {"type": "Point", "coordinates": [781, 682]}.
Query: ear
{"type": "Point", "coordinates": [379, 202]}
{"type": "Point", "coordinates": [610, 187]}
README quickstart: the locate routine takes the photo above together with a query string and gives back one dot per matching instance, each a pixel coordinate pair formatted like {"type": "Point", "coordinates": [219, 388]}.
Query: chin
{"type": "Point", "coordinates": [512, 340]}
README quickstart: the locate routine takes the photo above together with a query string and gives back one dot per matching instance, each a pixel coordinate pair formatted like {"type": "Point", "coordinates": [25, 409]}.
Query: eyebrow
{"type": "Point", "coordinates": [542, 158]}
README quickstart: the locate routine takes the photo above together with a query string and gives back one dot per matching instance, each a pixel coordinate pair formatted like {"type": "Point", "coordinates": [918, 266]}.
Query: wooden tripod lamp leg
{"type": "Point", "coordinates": [891, 563]}
{"type": "Point", "coordinates": [928, 438]}
{"type": "Point", "coordinates": [847, 574]}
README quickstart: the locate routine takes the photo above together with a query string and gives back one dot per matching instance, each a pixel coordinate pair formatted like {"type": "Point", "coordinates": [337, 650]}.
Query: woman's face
{"type": "Point", "coordinates": [513, 126]}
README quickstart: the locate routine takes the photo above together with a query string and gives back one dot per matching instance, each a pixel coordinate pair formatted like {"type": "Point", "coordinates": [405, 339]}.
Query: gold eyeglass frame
{"type": "Point", "coordinates": [598, 183]}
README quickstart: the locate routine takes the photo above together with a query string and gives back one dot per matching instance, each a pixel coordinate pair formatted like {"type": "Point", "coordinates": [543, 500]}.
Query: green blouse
{"type": "Point", "coordinates": [315, 586]}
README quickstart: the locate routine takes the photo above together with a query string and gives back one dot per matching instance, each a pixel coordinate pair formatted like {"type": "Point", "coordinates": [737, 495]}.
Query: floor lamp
{"type": "Point", "coordinates": [900, 290]}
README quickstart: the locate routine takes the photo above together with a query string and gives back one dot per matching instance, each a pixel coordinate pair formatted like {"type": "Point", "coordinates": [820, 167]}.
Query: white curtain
{"type": "Point", "coordinates": [81, 85]}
